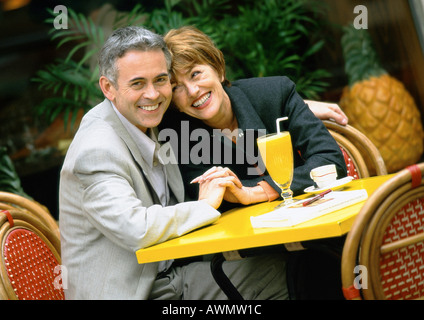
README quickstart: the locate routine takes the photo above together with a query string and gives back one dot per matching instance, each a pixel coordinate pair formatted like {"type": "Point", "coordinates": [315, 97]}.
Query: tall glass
{"type": "Point", "coordinates": [277, 154]}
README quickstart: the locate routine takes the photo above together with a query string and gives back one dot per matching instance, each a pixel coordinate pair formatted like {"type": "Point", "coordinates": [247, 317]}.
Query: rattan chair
{"type": "Point", "coordinates": [362, 157]}
{"type": "Point", "coordinates": [30, 259]}
{"type": "Point", "coordinates": [386, 242]}
{"type": "Point", "coordinates": [10, 200]}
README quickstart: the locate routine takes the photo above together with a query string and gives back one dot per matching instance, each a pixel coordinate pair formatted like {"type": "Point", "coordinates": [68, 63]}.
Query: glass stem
{"type": "Point", "coordinates": [287, 196]}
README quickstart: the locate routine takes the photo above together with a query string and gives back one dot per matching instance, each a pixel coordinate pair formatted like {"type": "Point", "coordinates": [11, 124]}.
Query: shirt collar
{"type": "Point", "coordinates": [147, 142]}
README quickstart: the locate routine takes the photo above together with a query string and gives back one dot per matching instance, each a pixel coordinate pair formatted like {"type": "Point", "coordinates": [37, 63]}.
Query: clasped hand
{"type": "Point", "coordinates": [220, 183]}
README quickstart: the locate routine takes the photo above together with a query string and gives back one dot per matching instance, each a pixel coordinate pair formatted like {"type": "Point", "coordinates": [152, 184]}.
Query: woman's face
{"type": "Point", "coordinates": [199, 93]}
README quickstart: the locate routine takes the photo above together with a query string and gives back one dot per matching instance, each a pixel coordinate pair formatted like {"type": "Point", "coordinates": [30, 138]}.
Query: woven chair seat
{"type": "Point", "coordinates": [352, 171]}
{"type": "Point", "coordinates": [30, 265]}
{"type": "Point", "coordinates": [387, 238]}
{"type": "Point", "coordinates": [402, 270]}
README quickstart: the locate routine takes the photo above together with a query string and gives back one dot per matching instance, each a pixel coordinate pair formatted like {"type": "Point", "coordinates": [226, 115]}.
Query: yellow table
{"type": "Point", "coordinates": [233, 230]}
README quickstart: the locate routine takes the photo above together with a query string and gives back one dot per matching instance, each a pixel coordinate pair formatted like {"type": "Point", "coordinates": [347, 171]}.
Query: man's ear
{"type": "Point", "coordinates": [108, 88]}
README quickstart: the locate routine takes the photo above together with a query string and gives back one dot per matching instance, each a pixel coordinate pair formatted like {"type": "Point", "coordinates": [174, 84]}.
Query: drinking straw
{"type": "Point", "coordinates": [278, 123]}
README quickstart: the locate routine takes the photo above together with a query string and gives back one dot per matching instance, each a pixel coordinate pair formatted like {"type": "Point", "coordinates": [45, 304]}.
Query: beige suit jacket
{"type": "Point", "coordinates": [108, 211]}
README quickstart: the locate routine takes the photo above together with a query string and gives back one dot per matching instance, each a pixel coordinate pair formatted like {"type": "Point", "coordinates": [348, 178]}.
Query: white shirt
{"type": "Point", "coordinates": [149, 147]}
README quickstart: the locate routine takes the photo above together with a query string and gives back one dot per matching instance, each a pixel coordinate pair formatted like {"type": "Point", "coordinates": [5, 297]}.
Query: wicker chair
{"type": "Point", "coordinates": [30, 259]}
{"type": "Point", "coordinates": [10, 201]}
{"type": "Point", "coordinates": [361, 156]}
{"type": "Point", "coordinates": [386, 242]}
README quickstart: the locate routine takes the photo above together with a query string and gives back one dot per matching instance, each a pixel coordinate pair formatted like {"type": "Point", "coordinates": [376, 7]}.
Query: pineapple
{"type": "Point", "coordinates": [379, 105]}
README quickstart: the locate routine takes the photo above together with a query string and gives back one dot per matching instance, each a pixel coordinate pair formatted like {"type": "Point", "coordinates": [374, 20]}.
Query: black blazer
{"type": "Point", "coordinates": [257, 103]}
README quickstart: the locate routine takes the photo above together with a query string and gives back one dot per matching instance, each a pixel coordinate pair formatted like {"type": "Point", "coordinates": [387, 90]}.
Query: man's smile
{"type": "Point", "coordinates": [149, 107]}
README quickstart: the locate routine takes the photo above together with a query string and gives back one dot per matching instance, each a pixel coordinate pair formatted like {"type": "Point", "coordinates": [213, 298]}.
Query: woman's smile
{"type": "Point", "coordinates": [203, 101]}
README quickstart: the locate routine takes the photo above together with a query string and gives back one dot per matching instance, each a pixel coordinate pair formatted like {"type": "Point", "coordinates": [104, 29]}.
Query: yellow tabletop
{"type": "Point", "coordinates": [233, 231]}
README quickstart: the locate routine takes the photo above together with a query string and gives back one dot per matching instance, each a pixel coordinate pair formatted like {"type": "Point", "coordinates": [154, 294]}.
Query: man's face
{"type": "Point", "coordinates": [144, 89]}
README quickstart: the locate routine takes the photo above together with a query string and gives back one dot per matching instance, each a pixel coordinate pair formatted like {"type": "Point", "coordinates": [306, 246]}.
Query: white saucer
{"type": "Point", "coordinates": [334, 186]}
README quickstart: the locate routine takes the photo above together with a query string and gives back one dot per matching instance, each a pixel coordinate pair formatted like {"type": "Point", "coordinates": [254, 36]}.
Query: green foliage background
{"type": "Point", "coordinates": [258, 38]}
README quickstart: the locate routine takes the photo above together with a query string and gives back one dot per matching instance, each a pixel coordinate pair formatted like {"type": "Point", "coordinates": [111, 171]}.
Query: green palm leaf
{"type": "Point", "coordinates": [258, 38]}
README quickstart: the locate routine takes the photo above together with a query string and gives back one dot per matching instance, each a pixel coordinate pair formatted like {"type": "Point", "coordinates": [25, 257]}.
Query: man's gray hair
{"type": "Point", "coordinates": [125, 39]}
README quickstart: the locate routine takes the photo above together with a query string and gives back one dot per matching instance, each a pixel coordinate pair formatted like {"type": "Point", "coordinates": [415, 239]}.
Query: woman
{"type": "Point", "coordinates": [206, 100]}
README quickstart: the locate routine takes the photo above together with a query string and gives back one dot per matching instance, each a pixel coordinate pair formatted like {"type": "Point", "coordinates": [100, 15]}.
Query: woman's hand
{"type": "Point", "coordinates": [236, 194]}
{"type": "Point", "coordinates": [327, 111]}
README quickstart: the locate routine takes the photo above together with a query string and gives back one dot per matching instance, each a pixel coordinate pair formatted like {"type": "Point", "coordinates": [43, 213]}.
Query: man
{"type": "Point", "coordinates": [117, 195]}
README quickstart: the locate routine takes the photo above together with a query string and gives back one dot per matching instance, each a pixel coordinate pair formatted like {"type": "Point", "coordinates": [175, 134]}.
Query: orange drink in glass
{"type": "Point", "coordinates": [277, 154]}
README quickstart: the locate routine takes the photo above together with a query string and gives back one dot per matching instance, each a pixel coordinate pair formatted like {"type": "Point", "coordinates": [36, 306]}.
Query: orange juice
{"type": "Point", "coordinates": [277, 154]}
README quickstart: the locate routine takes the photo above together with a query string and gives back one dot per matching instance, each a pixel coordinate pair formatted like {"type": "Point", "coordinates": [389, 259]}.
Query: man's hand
{"type": "Point", "coordinates": [327, 111]}
{"type": "Point", "coordinates": [234, 190]}
{"type": "Point", "coordinates": [212, 191]}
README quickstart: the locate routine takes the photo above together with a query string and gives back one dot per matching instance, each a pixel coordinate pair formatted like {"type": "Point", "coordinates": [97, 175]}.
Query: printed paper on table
{"type": "Point", "coordinates": [296, 213]}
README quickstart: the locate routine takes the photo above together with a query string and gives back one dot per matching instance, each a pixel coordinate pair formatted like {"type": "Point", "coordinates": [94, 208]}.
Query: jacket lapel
{"type": "Point", "coordinates": [112, 118]}
{"type": "Point", "coordinates": [165, 152]}
{"type": "Point", "coordinates": [247, 118]}
{"type": "Point", "coordinates": [246, 114]}
{"type": "Point", "coordinates": [174, 178]}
